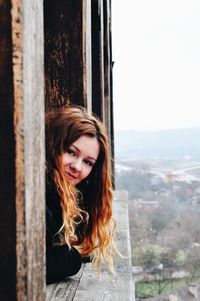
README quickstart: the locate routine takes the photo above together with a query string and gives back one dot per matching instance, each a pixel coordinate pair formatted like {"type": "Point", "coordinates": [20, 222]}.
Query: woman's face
{"type": "Point", "coordinates": [80, 158]}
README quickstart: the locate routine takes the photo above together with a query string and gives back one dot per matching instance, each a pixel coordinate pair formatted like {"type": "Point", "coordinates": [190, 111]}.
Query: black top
{"type": "Point", "coordinates": [61, 262]}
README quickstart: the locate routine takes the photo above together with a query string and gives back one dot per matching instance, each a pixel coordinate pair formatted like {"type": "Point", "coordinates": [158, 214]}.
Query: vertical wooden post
{"type": "Point", "coordinates": [97, 59]}
{"type": "Point", "coordinates": [28, 82]}
{"type": "Point", "coordinates": [87, 55]}
{"type": "Point", "coordinates": [102, 97]}
{"type": "Point", "coordinates": [108, 85]}
{"type": "Point", "coordinates": [101, 61]}
{"type": "Point", "coordinates": [107, 65]}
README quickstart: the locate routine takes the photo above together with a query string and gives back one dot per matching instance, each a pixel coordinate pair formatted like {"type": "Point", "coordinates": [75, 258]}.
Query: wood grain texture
{"type": "Point", "coordinates": [33, 72]}
{"type": "Point", "coordinates": [103, 287]}
{"type": "Point", "coordinates": [64, 291]}
{"type": "Point", "coordinates": [87, 54]}
{"type": "Point", "coordinates": [17, 38]}
{"type": "Point", "coordinates": [97, 59]}
{"type": "Point", "coordinates": [107, 64]}
{"type": "Point", "coordinates": [107, 78]}
{"type": "Point", "coordinates": [28, 73]}
{"type": "Point", "coordinates": [63, 25]}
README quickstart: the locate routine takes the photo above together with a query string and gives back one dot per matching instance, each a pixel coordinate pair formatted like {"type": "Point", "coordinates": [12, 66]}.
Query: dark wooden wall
{"type": "Point", "coordinates": [7, 160]}
{"type": "Point", "coordinates": [66, 53]}
{"type": "Point", "coordinates": [63, 53]}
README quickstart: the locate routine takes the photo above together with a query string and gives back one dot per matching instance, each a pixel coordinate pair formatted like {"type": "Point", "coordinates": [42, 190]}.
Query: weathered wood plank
{"type": "Point", "coordinates": [65, 290]}
{"type": "Point", "coordinates": [87, 54]}
{"type": "Point", "coordinates": [17, 33]}
{"type": "Point", "coordinates": [107, 64]}
{"type": "Point", "coordinates": [34, 123]}
{"type": "Point", "coordinates": [102, 104]}
{"type": "Point", "coordinates": [103, 287]}
{"type": "Point", "coordinates": [28, 82]}
{"type": "Point", "coordinates": [97, 59]}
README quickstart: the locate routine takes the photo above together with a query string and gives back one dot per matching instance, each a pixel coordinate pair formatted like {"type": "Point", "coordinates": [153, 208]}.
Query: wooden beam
{"type": "Point", "coordinates": [111, 86]}
{"type": "Point", "coordinates": [108, 80]}
{"type": "Point", "coordinates": [28, 82]}
{"type": "Point", "coordinates": [102, 97]}
{"type": "Point", "coordinates": [101, 61]}
{"type": "Point", "coordinates": [87, 54]}
{"type": "Point", "coordinates": [107, 64]}
{"type": "Point", "coordinates": [97, 59]}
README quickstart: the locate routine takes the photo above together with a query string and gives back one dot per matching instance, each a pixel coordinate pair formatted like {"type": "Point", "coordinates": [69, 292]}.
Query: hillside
{"type": "Point", "coordinates": [172, 144]}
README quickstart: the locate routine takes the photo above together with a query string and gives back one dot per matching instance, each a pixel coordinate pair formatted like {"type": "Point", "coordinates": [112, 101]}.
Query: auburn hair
{"type": "Point", "coordinates": [87, 208]}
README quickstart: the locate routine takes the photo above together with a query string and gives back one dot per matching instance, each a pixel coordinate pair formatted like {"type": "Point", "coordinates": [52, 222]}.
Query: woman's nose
{"type": "Point", "coordinates": [76, 165]}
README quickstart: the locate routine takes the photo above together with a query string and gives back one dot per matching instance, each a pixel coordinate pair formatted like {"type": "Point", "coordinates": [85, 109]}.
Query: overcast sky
{"type": "Point", "coordinates": [156, 49]}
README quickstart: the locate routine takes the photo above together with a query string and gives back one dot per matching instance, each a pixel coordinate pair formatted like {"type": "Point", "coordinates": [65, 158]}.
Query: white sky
{"type": "Point", "coordinates": [156, 49]}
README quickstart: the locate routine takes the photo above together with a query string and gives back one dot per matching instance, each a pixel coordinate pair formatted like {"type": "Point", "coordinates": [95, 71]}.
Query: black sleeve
{"type": "Point", "coordinates": [61, 262]}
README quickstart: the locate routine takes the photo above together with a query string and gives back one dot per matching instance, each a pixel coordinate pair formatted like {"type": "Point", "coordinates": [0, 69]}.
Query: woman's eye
{"type": "Point", "coordinates": [88, 163]}
{"type": "Point", "coordinates": [71, 152]}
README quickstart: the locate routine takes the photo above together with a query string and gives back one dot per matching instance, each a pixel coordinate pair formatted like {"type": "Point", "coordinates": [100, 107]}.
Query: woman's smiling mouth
{"type": "Point", "coordinates": [71, 177]}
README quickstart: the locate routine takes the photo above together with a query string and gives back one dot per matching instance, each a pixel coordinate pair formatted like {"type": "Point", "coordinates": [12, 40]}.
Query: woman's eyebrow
{"type": "Point", "coordinates": [76, 147]}
{"type": "Point", "coordinates": [95, 159]}
{"type": "Point", "coordinates": [92, 158]}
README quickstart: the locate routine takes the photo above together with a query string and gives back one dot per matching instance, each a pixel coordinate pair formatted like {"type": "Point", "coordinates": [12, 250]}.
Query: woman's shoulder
{"type": "Point", "coordinates": [52, 196]}
{"type": "Point", "coordinates": [50, 188]}
{"type": "Point", "coordinates": [53, 209]}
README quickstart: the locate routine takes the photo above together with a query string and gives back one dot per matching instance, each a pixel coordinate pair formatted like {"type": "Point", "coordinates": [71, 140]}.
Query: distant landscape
{"type": "Point", "coordinates": [161, 172]}
{"type": "Point", "coordinates": [174, 144]}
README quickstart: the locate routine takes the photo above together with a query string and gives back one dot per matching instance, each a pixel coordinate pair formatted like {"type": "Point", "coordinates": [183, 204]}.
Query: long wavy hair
{"type": "Point", "coordinates": [87, 208]}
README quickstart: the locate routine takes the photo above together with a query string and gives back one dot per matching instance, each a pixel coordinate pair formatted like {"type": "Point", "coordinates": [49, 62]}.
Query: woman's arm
{"type": "Point", "coordinates": [61, 262]}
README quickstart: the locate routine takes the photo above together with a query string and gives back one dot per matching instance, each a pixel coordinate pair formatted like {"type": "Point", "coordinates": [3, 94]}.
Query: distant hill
{"type": "Point", "coordinates": [172, 144]}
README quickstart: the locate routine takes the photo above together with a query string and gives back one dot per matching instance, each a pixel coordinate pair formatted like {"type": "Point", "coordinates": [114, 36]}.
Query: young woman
{"type": "Point", "coordinates": [78, 193]}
